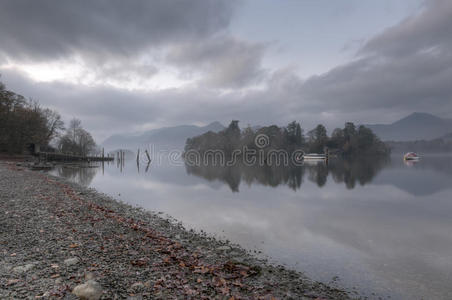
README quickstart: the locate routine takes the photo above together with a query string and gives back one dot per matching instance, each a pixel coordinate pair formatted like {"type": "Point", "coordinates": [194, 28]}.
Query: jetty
{"type": "Point", "coordinates": [55, 156]}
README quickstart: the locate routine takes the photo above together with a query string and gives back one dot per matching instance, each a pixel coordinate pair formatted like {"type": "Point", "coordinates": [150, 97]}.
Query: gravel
{"type": "Point", "coordinates": [58, 238]}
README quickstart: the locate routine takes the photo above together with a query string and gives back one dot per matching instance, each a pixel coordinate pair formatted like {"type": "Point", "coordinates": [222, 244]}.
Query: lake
{"type": "Point", "coordinates": [382, 228]}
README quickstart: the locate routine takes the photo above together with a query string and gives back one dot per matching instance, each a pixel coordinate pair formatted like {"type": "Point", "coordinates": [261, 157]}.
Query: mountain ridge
{"type": "Point", "coordinates": [416, 126]}
{"type": "Point", "coordinates": [171, 136]}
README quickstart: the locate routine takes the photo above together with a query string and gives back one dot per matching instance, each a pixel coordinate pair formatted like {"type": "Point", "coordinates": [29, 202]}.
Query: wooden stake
{"type": "Point", "coordinates": [147, 154]}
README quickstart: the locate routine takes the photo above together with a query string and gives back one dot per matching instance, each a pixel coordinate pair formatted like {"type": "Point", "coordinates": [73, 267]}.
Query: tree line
{"type": "Point", "coordinates": [347, 141]}
{"type": "Point", "coordinates": [351, 172]}
{"type": "Point", "coordinates": [24, 123]}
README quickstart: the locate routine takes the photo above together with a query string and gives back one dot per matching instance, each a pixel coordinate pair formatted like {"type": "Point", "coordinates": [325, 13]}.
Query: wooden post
{"type": "Point", "coordinates": [148, 156]}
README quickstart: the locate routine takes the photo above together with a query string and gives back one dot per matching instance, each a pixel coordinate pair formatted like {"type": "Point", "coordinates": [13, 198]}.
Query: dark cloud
{"type": "Point", "coordinates": [107, 110]}
{"type": "Point", "coordinates": [226, 61]}
{"type": "Point", "coordinates": [51, 29]}
{"type": "Point", "coordinates": [123, 72]}
{"type": "Point", "coordinates": [428, 31]}
{"type": "Point", "coordinates": [406, 68]}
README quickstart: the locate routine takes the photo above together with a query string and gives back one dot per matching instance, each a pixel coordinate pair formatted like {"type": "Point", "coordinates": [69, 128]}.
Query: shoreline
{"type": "Point", "coordinates": [58, 235]}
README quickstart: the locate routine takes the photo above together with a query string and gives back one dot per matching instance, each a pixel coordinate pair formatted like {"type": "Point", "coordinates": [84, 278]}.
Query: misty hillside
{"type": "Point", "coordinates": [417, 126]}
{"type": "Point", "coordinates": [166, 136]}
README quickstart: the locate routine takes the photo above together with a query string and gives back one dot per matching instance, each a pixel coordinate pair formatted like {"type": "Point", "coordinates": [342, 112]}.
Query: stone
{"type": "Point", "coordinates": [71, 261]}
{"type": "Point", "coordinates": [23, 269]}
{"type": "Point", "coordinates": [137, 286]}
{"type": "Point", "coordinates": [90, 290]}
{"type": "Point", "coordinates": [224, 248]}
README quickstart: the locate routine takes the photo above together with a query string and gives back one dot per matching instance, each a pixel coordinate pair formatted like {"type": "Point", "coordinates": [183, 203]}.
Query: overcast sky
{"type": "Point", "coordinates": [127, 66]}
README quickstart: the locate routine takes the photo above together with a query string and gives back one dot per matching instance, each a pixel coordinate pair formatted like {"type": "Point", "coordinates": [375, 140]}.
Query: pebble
{"type": "Point", "coordinates": [224, 248]}
{"type": "Point", "coordinates": [23, 269]}
{"type": "Point", "coordinates": [71, 261]}
{"type": "Point", "coordinates": [107, 247]}
{"type": "Point", "coordinates": [90, 290]}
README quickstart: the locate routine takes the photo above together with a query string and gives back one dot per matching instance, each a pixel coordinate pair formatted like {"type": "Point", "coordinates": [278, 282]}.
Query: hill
{"type": "Point", "coordinates": [417, 126]}
{"type": "Point", "coordinates": [165, 137]}
{"type": "Point", "coordinates": [440, 145]}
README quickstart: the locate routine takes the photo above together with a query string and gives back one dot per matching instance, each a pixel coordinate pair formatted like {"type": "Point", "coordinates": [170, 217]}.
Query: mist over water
{"type": "Point", "coordinates": [381, 226]}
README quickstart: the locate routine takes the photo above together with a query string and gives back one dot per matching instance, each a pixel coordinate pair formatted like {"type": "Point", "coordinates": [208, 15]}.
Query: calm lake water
{"type": "Point", "coordinates": [382, 227]}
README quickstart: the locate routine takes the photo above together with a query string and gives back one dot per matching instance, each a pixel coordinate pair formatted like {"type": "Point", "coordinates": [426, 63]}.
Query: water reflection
{"type": "Point", "coordinates": [82, 173]}
{"type": "Point", "coordinates": [379, 225]}
{"type": "Point", "coordinates": [350, 172]}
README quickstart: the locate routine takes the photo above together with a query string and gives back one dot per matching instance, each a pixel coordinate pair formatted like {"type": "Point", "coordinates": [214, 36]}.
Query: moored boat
{"type": "Point", "coordinates": [411, 156]}
{"type": "Point", "coordinates": [314, 156]}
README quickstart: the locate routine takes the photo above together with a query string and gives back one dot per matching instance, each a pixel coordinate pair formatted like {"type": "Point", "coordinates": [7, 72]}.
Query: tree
{"type": "Point", "coordinates": [318, 139]}
{"type": "Point", "coordinates": [24, 122]}
{"type": "Point", "coordinates": [294, 134]}
{"type": "Point", "coordinates": [77, 140]}
{"type": "Point", "coordinates": [349, 131]}
{"type": "Point", "coordinates": [54, 123]}
{"type": "Point", "coordinates": [337, 139]}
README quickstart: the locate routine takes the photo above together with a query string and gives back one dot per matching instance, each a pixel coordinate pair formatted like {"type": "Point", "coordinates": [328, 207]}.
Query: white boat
{"type": "Point", "coordinates": [314, 156]}
{"type": "Point", "coordinates": [411, 156]}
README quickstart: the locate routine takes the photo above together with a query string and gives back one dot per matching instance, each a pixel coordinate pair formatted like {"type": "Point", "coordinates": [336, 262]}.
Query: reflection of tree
{"type": "Point", "coordinates": [361, 170]}
{"type": "Point", "coordinates": [318, 173]}
{"type": "Point", "coordinates": [82, 174]}
{"type": "Point", "coordinates": [264, 175]}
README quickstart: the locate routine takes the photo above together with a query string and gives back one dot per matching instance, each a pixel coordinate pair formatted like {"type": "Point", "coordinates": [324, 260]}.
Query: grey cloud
{"type": "Point", "coordinates": [406, 68]}
{"type": "Point", "coordinates": [108, 110]}
{"type": "Point", "coordinates": [225, 61]}
{"type": "Point", "coordinates": [426, 31]}
{"type": "Point", "coordinates": [386, 81]}
{"type": "Point", "coordinates": [51, 29]}
{"type": "Point", "coordinates": [126, 71]}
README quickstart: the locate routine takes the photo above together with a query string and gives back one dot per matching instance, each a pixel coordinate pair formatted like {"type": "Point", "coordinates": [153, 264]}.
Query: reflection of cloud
{"type": "Point", "coordinates": [373, 236]}
{"type": "Point", "coordinates": [428, 176]}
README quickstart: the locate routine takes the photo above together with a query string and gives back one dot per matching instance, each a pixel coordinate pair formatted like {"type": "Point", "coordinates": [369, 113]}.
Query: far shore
{"type": "Point", "coordinates": [59, 239]}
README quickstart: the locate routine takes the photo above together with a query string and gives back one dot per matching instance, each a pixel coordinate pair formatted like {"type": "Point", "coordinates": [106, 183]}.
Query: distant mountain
{"type": "Point", "coordinates": [174, 137]}
{"type": "Point", "coordinates": [417, 126]}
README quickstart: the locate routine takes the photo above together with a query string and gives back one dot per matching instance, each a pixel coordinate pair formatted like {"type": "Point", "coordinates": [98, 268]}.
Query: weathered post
{"type": "Point", "coordinates": [148, 156]}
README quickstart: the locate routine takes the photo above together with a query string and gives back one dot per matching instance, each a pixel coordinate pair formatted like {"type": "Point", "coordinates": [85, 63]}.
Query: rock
{"type": "Point", "coordinates": [71, 261]}
{"type": "Point", "coordinates": [224, 248]}
{"type": "Point", "coordinates": [137, 286]}
{"type": "Point", "coordinates": [90, 290]}
{"type": "Point", "coordinates": [23, 269]}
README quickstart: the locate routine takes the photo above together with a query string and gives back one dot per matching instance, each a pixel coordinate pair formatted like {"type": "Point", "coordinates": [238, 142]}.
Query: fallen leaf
{"type": "Point", "coordinates": [12, 281]}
